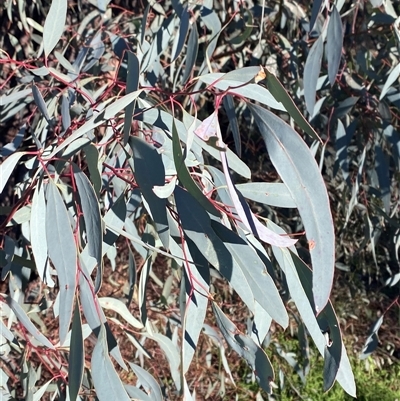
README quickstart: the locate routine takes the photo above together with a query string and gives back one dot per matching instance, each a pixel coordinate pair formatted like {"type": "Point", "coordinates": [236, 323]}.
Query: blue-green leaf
{"type": "Point", "coordinates": [312, 69]}
{"type": "Point", "coordinates": [299, 171]}
{"type": "Point", "coordinates": [77, 355]}
{"type": "Point", "coordinates": [38, 240]}
{"type": "Point", "coordinates": [334, 44]}
{"type": "Point", "coordinates": [62, 252]}
{"type": "Point", "coordinates": [106, 381]}
{"type": "Point", "coordinates": [245, 346]}
{"type": "Point", "coordinates": [149, 172]}
{"type": "Point", "coordinates": [132, 82]}
{"type": "Point", "coordinates": [196, 224]}
{"type": "Point", "coordinates": [148, 382]}
{"type": "Point", "coordinates": [91, 214]}
{"type": "Point", "coordinates": [26, 322]}
{"type": "Point", "coordinates": [54, 25]}
{"type": "Point", "coordinates": [269, 193]}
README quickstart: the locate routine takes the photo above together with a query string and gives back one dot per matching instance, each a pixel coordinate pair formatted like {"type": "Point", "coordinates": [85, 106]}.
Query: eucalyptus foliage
{"type": "Point", "coordinates": [122, 142]}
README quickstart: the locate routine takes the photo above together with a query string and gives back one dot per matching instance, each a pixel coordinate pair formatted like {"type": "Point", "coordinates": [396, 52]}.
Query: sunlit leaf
{"type": "Point", "coordinates": [334, 44]}
{"type": "Point", "coordinates": [54, 25]}
{"type": "Point", "coordinates": [26, 322]}
{"type": "Point", "coordinates": [62, 252]}
{"type": "Point", "coordinates": [107, 383]}
{"type": "Point", "coordinates": [312, 69]}
{"type": "Point", "coordinates": [92, 217]}
{"type": "Point", "coordinates": [148, 382]}
{"type": "Point", "coordinates": [150, 172]}
{"type": "Point", "coordinates": [299, 171]}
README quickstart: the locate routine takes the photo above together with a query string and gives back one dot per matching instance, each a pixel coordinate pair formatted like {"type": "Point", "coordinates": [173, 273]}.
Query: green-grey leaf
{"type": "Point", "coordinates": [149, 172]}
{"type": "Point", "coordinates": [62, 252]}
{"type": "Point", "coordinates": [38, 240]}
{"type": "Point", "coordinates": [76, 360]}
{"type": "Point", "coordinates": [269, 193]}
{"type": "Point", "coordinates": [148, 382]}
{"type": "Point", "coordinates": [334, 44]}
{"type": "Point", "coordinates": [262, 286]}
{"type": "Point", "coordinates": [26, 322]}
{"type": "Point", "coordinates": [185, 177]}
{"type": "Point", "coordinates": [300, 173]}
{"type": "Point", "coordinates": [312, 69]}
{"type": "Point", "coordinates": [54, 25]}
{"type": "Point", "coordinates": [91, 214]}
{"type": "Point", "coordinates": [196, 224]}
{"type": "Point", "coordinates": [106, 381]}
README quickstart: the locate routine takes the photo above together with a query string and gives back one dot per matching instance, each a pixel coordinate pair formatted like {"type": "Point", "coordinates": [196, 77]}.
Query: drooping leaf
{"type": "Point", "coordinates": [92, 160]}
{"type": "Point", "coordinates": [191, 56]}
{"type": "Point", "coordinates": [7, 168]}
{"type": "Point", "coordinates": [312, 69]}
{"type": "Point", "coordinates": [393, 76]}
{"type": "Point", "coordinates": [183, 29]}
{"type": "Point", "coordinates": [76, 360]}
{"type": "Point", "coordinates": [262, 286]}
{"type": "Point", "coordinates": [300, 173]}
{"type": "Point", "coordinates": [150, 172]}
{"type": "Point", "coordinates": [233, 123]}
{"type": "Point", "coordinates": [244, 345]}
{"type": "Point", "coordinates": [118, 306]}
{"type": "Point", "coordinates": [132, 82]}
{"type": "Point", "coordinates": [316, 7]}
{"type": "Point", "coordinates": [148, 382]}
{"type": "Point", "coordinates": [26, 322]}
{"type": "Point", "coordinates": [372, 341]}
{"type": "Point", "coordinates": [305, 305]}
{"type": "Point", "coordinates": [269, 193]}
{"type": "Point", "coordinates": [54, 25]}
{"type": "Point", "coordinates": [106, 381]}
{"type": "Point", "coordinates": [171, 352]}
{"type": "Point", "coordinates": [109, 112]}
{"type": "Point", "coordinates": [197, 281]}
{"type": "Point", "coordinates": [280, 94]}
{"type": "Point", "coordinates": [196, 225]}
{"type": "Point", "coordinates": [38, 240]}
{"type": "Point", "coordinates": [92, 217]}
{"type": "Point", "coordinates": [62, 252]}
{"type": "Point", "coordinates": [185, 177]}
{"type": "Point", "coordinates": [334, 44]}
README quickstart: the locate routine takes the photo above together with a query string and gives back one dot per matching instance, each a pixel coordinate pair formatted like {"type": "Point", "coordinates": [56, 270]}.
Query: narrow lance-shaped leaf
{"type": "Point", "coordinates": [54, 25]}
{"type": "Point", "coordinates": [303, 299]}
{"type": "Point", "coordinates": [299, 171]}
{"type": "Point", "coordinates": [312, 69]}
{"type": "Point", "coordinates": [149, 172]}
{"type": "Point", "coordinates": [7, 168]}
{"type": "Point", "coordinates": [109, 112]}
{"type": "Point", "coordinates": [91, 214]}
{"type": "Point", "coordinates": [185, 177]}
{"type": "Point", "coordinates": [106, 381]}
{"type": "Point", "coordinates": [26, 322]}
{"type": "Point", "coordinates": [191, 56]}
{"type": "Point", "coordinates": [196, 224]}
{"type": "Point", "coordinates": [132, 82]}
{"type": "Point", "coordinates": [77, 355]}
{"type": "Point", "coordinates": [148, 382]}
{"type": "Point", "coordinates": [38, 240]}
{"type": "Point", "coordinates": [334, 44]}
{"type": "Point", "coordinates": [280, 94]}
{"type": "Point", "coordinates": [62, 252]}
{"type": "Point", "coordinates": [183, 29]}
{"type": "Point", "coordinates": [245, 346]}
{"type": "Point", "coordinates": [263, 287]}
